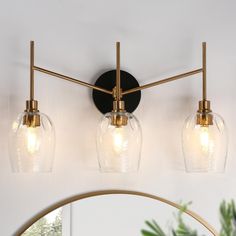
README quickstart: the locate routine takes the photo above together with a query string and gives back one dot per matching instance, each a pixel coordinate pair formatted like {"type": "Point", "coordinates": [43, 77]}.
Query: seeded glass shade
{"type": "Point", "coordinates": [32, 148]}
{"type": "Point", "coordinates": [204, 147]}
{"type": "Point", "coordinates": [119, 148]}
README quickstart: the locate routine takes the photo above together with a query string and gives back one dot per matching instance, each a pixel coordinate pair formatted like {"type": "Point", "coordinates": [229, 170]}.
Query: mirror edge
{"type": "Point", "coordinates": [109, 192]}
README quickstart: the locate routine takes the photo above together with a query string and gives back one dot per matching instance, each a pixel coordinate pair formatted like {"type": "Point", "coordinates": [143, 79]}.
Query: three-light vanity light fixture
{"type": "Point", "coordinates": [117, 94]}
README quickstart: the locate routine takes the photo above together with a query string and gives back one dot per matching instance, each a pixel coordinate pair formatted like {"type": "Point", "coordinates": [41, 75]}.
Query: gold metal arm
{"type": "Point", "coordinates": [52, 73]}
{"type": "Point", "coordinates": [118, 104]}
{"type": "Point", "coordinates": [204, 116]}
{"type": "Point", "coordinates": [176, 77]}
{"type": "Point", "coordinates": [31, 70]}
{"type": "Point", "coordinates": [180, 76]}
{"type": "Point", "coordinates": [204, 82]}
{"type": "Point", "coordinates": [118, 90]}
{"type": "Point", "coordinates": [61, 76]}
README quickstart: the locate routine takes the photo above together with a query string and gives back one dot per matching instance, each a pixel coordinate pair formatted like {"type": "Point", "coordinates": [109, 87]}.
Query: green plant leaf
{"type": "Point", "coordinates": [148, 233]}
{"type": "Point", "coordinates": [155, 229]}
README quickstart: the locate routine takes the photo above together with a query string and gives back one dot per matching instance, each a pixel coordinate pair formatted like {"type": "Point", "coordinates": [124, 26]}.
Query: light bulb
{"type": "Point", "coordinates": [118, 140]}
{"type": "Point", "coordinates": [204, 146]}
{"type": "Point", "coordinates": [119, 147]}
{"type": "Point", "coordinates": [32, 146]}
{"type": "Point", "coordinates": [206, 142]}
{"type": "Point", "coordinates": [33, 140]}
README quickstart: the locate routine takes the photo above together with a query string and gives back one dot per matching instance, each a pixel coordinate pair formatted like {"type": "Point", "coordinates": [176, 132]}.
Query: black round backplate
{"type": "Point", "coordinates": [104, 102]}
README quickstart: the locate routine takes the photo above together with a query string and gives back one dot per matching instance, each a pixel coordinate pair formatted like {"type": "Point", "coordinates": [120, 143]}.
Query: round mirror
{"type": "Point", "coordinates": [116, 213]}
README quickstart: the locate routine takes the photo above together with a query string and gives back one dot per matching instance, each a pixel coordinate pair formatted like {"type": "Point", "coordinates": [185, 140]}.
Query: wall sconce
{"type": "Point", "coordinates": [119, 137]}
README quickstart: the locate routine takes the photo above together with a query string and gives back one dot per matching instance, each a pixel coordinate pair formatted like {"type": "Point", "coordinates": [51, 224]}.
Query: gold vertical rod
{"type": "Point", "coordinates": [118, 90]}
{"type": "Point", "coordinates": [204, 82]}
{"type": "Point", "coordinates": [31, 70]}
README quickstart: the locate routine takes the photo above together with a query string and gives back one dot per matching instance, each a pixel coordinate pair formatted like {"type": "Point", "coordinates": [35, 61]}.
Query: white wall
{"type": "Point", "coordinates": [158, 39]}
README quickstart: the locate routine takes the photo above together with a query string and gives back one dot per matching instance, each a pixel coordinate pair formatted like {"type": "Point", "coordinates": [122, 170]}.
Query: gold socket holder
{"type": "Point", "coordinates": [204, 115]}
{"type": "Point", "coordinates": [31, 118]}
{"type": "Point", "coordinates": [118, 106]}
{"type": "Point", "coordinates": [114, 93]}
{"type": "Point", "coordinates": [119, 120]}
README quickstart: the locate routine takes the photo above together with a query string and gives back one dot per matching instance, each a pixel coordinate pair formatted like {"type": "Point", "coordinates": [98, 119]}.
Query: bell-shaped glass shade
{"type": "Point", "coordinates": [205, 146]}
{"type": "Point", "coordinates": [31, 147]}
{"type": "Point", "coordinates": [119, 147]}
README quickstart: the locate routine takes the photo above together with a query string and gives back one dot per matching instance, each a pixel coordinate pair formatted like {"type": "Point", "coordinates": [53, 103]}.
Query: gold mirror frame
{"type": "Point", "coordinates": [109, 192]}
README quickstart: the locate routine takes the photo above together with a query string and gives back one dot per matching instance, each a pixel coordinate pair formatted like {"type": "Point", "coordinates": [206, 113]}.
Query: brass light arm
{"type": "Point", "coordinates": [31, 104]}
{"type": "Point", "coordinates": [118, 90]}
{"type": "Point", "coordinates": [163, 81]}
{"type": "Point", "coordinates": [52, 73]}
{"type": "Point", "coordinates": [31, 70]}
{"type": "Point", "coordinates": [204, 117]}
{"type": "Point", "coordinates": [61, 76]}
{"type": "Point", "coordinates": [118, 104]}
{"type": "Point", "coordinates": [204, 82]}
{"type": "Point", "coordinates": [180, 76]}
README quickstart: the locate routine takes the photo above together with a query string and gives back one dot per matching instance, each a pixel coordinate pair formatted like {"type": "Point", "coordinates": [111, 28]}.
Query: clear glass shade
{"type": "Point", "coordinates": [32, 148]}
{"type": "Point", "coordinates": [204, 147]}
{"type": "Point", "coordinates": [119, 147]}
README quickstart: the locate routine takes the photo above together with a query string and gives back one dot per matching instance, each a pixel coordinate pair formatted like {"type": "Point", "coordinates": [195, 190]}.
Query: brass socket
{"type": "Point", "coordinates": [31, 106]}
{"type": "Point", "coordinates": [114, 91]}
{"type": "Point", "coordinates": [204, 115]}
{"type": "Point", "coordinates": [31, 118]}
{"type": "Point", "coordinates": [204, 119]}
{"type": "Point", "coordinates": [204, 106]}
{"type": "Point", "coordinates": [119, 119]}
{"type": "Point", "coordinates": [118, 106]}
